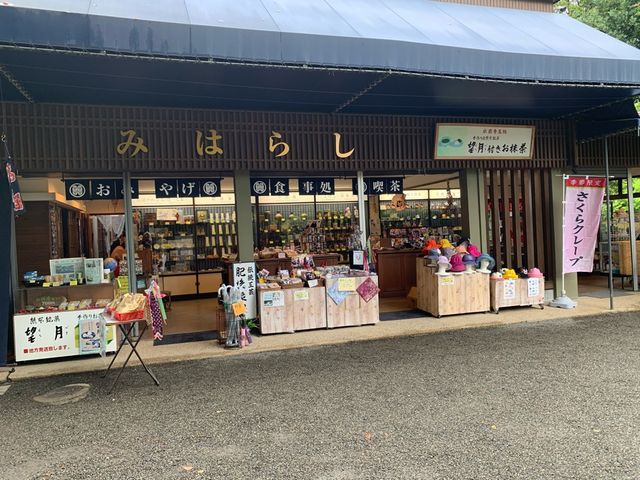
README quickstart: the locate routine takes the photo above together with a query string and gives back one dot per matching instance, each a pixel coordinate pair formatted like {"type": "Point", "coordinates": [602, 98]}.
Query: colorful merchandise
{"type": "Point", "coordinates": [486, 263]}
{"type": "Point", "coordinates": [456, 264]}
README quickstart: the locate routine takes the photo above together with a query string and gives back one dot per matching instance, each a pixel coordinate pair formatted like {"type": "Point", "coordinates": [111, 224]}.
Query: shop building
{"type": "Point", "coordinates": [279, 116]}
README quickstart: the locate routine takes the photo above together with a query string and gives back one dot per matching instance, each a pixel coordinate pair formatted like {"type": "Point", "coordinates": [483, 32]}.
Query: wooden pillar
{"type": "Point", "coordinates": [244, 215]}
{"type": "Point", "coordinates": [374, 215]}
{"type": "Point", "coordinates": [474, 205]}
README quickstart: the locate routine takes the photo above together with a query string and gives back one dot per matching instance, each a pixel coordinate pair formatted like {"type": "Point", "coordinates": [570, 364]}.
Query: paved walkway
{"type": "Point", "coordinates": [558, 399]}
{"type": "Point", "coordinates": [387, 329]}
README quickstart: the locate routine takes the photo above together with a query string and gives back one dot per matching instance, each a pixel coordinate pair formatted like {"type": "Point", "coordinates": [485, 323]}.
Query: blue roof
{"type": "Point", "coordinates": [419, 36]}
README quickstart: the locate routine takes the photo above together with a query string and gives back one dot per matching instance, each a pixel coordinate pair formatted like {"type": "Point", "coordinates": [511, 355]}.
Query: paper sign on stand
{"type": "Point", "coordinates": [509, 289]}
{"type": "Point", "coordinates": [300, 295]}
{"type": "Point", "coordinates": [244, 280]}
{"type": "Point", "coordinates": [533, 287]}
{"type": "Point", "coordinates": [347, 284]}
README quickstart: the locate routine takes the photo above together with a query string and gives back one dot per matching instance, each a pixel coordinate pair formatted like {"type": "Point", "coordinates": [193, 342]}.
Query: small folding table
{"type": "Point", "coordinates": [126, 327]}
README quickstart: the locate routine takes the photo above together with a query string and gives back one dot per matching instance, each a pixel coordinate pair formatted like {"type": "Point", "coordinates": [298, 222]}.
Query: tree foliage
{"type": "Point", "coordinates": [618, 18]}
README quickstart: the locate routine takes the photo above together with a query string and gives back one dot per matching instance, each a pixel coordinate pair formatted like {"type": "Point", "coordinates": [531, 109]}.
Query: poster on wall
{"type": "Point", "coordinates": [60, 334]}
{"type": "Point", "coordinates": [244, 280]}
{"type": "Point", "coordinates": [93, 270]}
{"type": "Point", "coordinates": [583, 204]}
{"type": "Point", "coordinates": [459, 141]}
{"type": "Point", "coordinates": [67, 267]}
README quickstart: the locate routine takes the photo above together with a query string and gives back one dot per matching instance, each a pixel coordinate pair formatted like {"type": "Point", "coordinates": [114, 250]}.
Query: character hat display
{"type": "Point", "coordinates": [461, 249]}
{"type": "Point", "coordinates": [442, 260]}
{"type": "Point", "coordinates": [535, 273]}
{"type": "Point", "coordinates": [444, 243]}
{"type": "Point", "coordinates": [509, 274]}
{"type": "Point", "coordinates": [431, 244]}
{"type": "Point", "coordinates": [448, 252]}
{"type": "Point", "coordinates": [456, 264]}
{"type": "Point", "coordinates": [523, 273]}
{"type": "Point", "coordinates": [473, 250]}
{"type": "Point", "coordinates": [496, 276]}
{"type": "Point", "coordinates": [490, 263]}
{"type": "Point", "coordinates": [468, 259]}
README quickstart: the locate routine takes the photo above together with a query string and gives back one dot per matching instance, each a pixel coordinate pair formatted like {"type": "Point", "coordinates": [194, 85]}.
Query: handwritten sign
{"type": "Point", "coordinates": [300, 295]}
{"type": "Point", "coordinates": [239, 308]}
{"type": "Point", "coordinates": [509, 289]}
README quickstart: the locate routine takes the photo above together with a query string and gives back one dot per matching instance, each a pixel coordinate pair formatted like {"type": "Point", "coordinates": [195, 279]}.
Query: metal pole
{"type": "Point", "coordinates": [131, 243]}
{"type": "Point", "coordinates": [361, 218]}
{"type": "Point", "coordinates": [606, 169]}
{"type": "Point", "coordinates": [632, 231]}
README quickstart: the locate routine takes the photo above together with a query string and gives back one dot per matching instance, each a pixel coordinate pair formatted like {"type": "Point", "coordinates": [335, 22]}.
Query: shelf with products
{"type": "Point", "coordinates": [320, 228]}
{"type": "Point", "coordinates": [438, 218]}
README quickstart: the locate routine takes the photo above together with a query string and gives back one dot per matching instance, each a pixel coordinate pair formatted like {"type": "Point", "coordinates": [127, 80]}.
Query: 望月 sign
{"type": "Point", "coordinates": [60, 334]}
{"type": "Point", "coordinates": [456, 141]}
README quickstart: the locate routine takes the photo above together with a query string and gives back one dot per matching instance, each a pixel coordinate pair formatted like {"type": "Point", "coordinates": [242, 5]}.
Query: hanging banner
{"type": "Point", "coordinates": [456, 141]}
{"type": "Point", "coordinates": [583, 204]}
{"type": "Point", "coordinates": [12, 177]}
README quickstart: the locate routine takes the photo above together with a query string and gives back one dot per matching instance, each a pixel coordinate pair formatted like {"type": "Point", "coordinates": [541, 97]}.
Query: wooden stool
{"type": "Point", "coordinates": [167, 300]}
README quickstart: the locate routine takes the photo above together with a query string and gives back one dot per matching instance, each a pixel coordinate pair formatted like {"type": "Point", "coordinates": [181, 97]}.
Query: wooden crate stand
{"type": "Point", "coordinates": [520, 296]}
{"type": "Point", "coordinates": [353, 310]}
{"type": "Point", "coordinates": [303, 309]}
{"type": "Point", "coordinates": [451, 294]}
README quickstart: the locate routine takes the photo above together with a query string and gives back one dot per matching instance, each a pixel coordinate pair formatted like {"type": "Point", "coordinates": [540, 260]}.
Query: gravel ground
{"type": "Point", "coordinates": [557, 399]}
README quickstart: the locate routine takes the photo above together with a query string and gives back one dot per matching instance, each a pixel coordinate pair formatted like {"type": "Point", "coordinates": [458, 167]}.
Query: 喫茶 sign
{"type": "Point", "coordinates": [460, 141]}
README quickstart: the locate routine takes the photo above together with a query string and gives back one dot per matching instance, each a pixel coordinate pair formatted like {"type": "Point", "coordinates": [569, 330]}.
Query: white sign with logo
{"type": "Point", "coordinates": [468, 141]}
{"type": "Point", "coordinates": [244, 280]}
{"type": "Point", "coordinates": [59, 334]}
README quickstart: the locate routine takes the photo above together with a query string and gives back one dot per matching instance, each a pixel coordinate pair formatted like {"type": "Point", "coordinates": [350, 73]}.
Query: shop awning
{"type": "Point", "coordinates": [606, 121]}
{"type": "Point", "coordinates": [403, 35]}
{"type": "Point", "coordinates": [408, 57]}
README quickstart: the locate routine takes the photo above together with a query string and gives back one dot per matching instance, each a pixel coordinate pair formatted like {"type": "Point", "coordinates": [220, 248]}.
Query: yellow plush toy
{"type": "Point", "coordinates": [510, 274]}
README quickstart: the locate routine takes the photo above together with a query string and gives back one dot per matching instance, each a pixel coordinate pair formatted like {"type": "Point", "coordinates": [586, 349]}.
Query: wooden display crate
{"type": "Point", "coordinates": [451, 294]}
{"type": "Point", "coordinates": [517, 294]}
{"type": "Point", "coordinates": [301, 309]}
{"type": "Point", "coordinates": [353, 310]}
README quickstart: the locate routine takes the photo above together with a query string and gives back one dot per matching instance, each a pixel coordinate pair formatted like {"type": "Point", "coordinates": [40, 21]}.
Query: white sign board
{"type": "Point", "coordinates": [509, 289]}
{"type": "Point", "coordinates": [58, 334]}
{"type": "Point", "coordinates": [469, 141]}
{"type": "Point", "coordinates": [244, 280]}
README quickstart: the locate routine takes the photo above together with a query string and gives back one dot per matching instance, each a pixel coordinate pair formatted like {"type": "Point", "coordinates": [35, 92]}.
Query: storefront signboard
{"type": "Point", "coordinates": [244, 280]}
{"type": "Point", "coordinates": [459, 141]}
{"type": "Point", "coordinates": [77, 189]}
{"type": "Point", "coordinates": [379, 186]}
{"type": "Point", "coordinates": [259, 187]}
{"type": "Point", "coordinates": [582, 210]}
{"type": "Point", "coordinates": [98, 189]}
{"type": "Point", "coordinates": [316, 186]}
{"type": "Point", "coordinates": [58, 334]}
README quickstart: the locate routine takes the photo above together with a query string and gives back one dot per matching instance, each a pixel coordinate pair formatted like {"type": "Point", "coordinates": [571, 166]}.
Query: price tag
{"type": "Point", "coordinates": [446, 281]}
{"type": "Point", "coordinates": [46, 284]}
{"type": "Point", "coordinates": [300, 295]}
{"type": "Point", "coordinates": [282, 255]}
{"type": "Point", "coordinates": [73, 283]}
{"type": "Point", "coordinates": [312, 283]}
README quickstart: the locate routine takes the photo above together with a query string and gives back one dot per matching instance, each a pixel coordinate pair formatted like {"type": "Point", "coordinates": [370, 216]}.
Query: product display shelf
{"type": "Point", "coordinates": [451, 294]}
{"type": "Point", "coordinates": [29, 295]}
{"type": "Point", "coordinates": [523, 292]}
{"type": "Point", "coordinates": [353, 310]}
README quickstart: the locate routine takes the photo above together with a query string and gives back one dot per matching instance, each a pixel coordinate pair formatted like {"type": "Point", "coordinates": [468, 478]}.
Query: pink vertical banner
{"type": "Point", "coordinates": [583, 203]}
